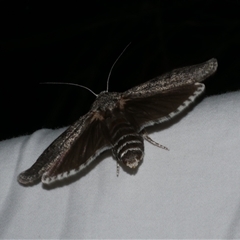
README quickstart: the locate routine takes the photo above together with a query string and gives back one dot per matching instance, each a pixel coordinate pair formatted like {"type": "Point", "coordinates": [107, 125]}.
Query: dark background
{"type": "Point", "coordinates": [78, 43]}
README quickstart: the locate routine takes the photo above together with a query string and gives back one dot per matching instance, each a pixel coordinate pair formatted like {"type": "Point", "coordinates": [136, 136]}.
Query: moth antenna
{"type": "Point", "coordinates": [114, 65]}
{"type": "Point", "coordinates": [73, 84]}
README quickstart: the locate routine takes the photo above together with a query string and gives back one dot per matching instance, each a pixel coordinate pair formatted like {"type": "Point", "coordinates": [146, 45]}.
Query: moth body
{"type": "Point", "coordinates": [120, 129]}
{"type": "Point", "coordinates": [127, 143]}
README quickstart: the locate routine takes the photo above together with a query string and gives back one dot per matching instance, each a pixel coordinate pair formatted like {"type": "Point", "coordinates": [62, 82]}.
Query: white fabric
{"type": "Point", "coordinates": [191, 191]}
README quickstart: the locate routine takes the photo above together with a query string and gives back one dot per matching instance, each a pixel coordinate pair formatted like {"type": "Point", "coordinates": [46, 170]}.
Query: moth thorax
{"type": "Point", "coordinates": [106, 101]}
{"type": "Point", "coordinates": [126, 141]}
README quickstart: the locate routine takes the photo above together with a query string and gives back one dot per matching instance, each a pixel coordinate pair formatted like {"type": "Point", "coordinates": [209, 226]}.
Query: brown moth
{"type": "Point", "coordinates": [117, 121]}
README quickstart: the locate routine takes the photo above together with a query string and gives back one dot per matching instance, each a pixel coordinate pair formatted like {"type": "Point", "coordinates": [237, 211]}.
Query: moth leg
{"type": "Point", "coordinates": [147, 138]}
{"type": "Point", "coordinates": [118, 169]}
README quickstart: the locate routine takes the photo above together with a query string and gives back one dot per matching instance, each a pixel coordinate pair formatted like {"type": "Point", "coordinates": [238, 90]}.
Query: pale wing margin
{"type": "Point", "coordinates": [161, 107]}
{"type": "Point", "coordinates": [57, 160]}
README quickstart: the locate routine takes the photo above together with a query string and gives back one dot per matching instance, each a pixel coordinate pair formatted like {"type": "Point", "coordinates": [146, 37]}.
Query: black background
{"type": "Point", "coordinates": [78, 43]}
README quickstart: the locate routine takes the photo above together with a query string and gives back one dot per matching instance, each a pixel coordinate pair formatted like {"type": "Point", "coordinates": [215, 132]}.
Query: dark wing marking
{"type": "Point", "coordinates": [75, 148]}
{"type": "Point", "coordinates": [147, 111]}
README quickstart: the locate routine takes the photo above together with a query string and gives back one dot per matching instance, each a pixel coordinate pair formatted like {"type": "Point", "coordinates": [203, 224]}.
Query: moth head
{"type": "Point", "coordinates": [106, 101]}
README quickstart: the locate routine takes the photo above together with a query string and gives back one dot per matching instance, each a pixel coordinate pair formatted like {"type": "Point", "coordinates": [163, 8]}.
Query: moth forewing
{"type": "Point", "coordinates": [176, 78]}
{"type": "Point", "coordinates": [117, 121]}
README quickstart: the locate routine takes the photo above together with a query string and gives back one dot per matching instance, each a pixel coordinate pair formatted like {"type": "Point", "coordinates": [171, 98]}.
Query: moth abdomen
{"type": "Point", "coordinates": [127, 143]}
{"type": "Point", "coordinates": [129, 149]}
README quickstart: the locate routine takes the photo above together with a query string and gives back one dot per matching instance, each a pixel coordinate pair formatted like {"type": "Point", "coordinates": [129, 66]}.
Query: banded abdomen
{"type": "Point", "coordinates": [127, 143]}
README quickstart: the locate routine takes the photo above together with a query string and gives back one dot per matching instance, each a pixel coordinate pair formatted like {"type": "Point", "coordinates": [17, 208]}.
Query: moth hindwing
{"type": "Point", "coordinates": [117, 121]}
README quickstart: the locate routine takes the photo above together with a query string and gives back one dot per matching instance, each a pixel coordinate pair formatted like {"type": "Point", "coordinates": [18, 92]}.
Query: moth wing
{"type": "Point", "coordinates": [74, 149]}
{"type": "Point", "coordinates": [161, 106]}
{"type": "Point", "coordinates": [176, 78]}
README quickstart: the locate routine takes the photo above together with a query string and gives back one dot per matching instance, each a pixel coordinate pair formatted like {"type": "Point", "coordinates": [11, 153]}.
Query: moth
{"type": "Point", "coordinates": [117, 121]}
